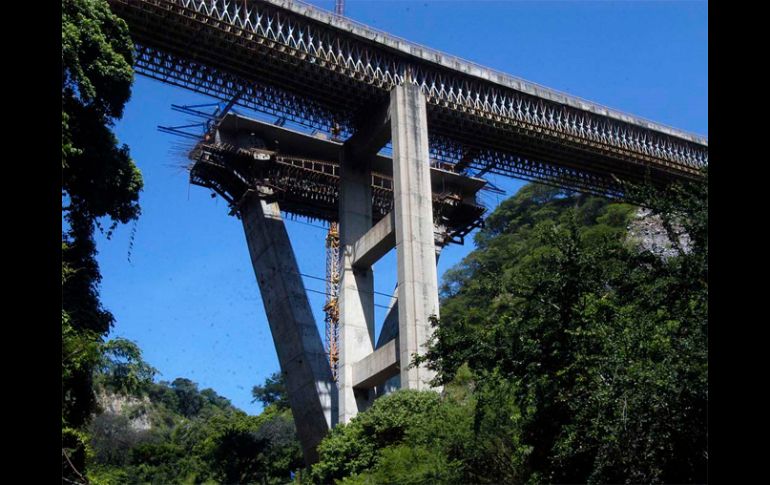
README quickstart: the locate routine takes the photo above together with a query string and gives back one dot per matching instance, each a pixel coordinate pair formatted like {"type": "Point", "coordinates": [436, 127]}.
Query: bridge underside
{"type": "Point", "coordinates": [302, 173]}
{"type": "Point", "coordinates": [291, 61]}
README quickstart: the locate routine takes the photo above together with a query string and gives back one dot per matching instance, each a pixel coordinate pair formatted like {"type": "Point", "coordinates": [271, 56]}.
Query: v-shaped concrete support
{"type": "Point", "coordinates": [311, 389]}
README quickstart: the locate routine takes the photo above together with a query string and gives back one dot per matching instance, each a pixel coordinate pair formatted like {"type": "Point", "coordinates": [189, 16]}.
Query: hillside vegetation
{"type": "Point", "coordinates": [175, 433]}
{"type": "Point", "coordinates": [100, 186]}
{"type": "Point", "coordinates": [569, 353]}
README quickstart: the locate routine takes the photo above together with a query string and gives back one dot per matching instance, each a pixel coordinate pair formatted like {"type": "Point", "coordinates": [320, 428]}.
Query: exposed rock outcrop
{"type": "Point", "coordinates": [134, 409]}
{"type": "Point", "coordinates": [646, 231]}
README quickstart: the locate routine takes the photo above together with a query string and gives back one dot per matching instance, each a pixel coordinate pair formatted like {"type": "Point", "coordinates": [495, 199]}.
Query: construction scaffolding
{"type": "Point", "coordinates": [331, 308]}
{"type": "Point", "coordinates": [301, 173]}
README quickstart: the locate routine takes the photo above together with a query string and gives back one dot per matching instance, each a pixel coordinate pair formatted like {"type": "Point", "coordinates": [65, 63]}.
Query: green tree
{"type": "Point", "coordinates": [195, 437]}
{"type": "Point", "coordinates": [122, 369]}
{"type": "Point", "coordinates": [189, 400]}
{"type": "Point", "coordinates": [99, 180]}
{"type": "Point", "coordinates": [113, 438]}
{"type": "Point", "coordinates": [601, 347]}
{"type": "Point", "coordinates": [353, 448]}
{"type": "Point", "coordinates": [381, 444]}
{"type": "Point", "coordinates": [262, 451]}
{"type": "Point", "coordinates": [272, 392]}
{"type": "Point", "coordinates": [408, 465]}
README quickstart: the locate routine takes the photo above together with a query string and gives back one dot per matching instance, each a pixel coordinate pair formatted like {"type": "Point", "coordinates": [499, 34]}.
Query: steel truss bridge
{"type": "Point", "coordinates": [327, 72]}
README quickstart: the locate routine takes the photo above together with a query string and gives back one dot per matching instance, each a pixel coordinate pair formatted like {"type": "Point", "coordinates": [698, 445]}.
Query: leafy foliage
{"type": "Point", "coordinates": [605, 345]}
{"type": "Point", "coordinates": [567, 353]}
{"type": "Point", "coordinates": [98, 177]}
{"type": "Point", "coordinates": [98, 180]}
{"type": "Point", "coordinates": [273, 392]}
{"type": "Point", "coordinates": [196, 436]}
{"type": "Point", "coordinates": [408, 465]}
{"type": "Point", "coordinates": [112, 438]}
{"type": "Point", "coordinates": [123, 370]}
{"type": "Point", "coordinates": [355, 447]}
{"type": "Point", "coordinates": [262, 452]}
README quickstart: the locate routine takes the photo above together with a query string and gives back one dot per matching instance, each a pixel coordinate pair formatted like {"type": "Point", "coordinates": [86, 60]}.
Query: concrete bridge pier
{"type": "Point", "coordinates": [390, 328]}
{"type": "Point", "coordinates": [311, 389]}
{"type": "Point", "coordinates": [364, 371]}
{"type": "Point", "coordinates": [356, 293]}
{"type": "Point", "coordinates": [415, 246]}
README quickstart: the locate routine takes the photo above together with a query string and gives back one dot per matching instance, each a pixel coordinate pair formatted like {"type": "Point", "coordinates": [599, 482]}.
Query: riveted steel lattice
{"type": "Point", "coordinates": [324, 71]}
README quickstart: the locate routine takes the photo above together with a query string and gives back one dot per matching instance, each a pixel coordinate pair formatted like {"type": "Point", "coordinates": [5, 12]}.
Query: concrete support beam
{"type": "Point", "coordinates": [377, 367]}
{"type": "Point", "coordinates": [356, 300]}
{"type": "Point", "coordinates": [311, 390]}
{"type": "Point", "coordinates": [375, 243]}
{"type": "Point", "coordinates": [372, 134]}
{"type": "Point", "coordinates": [389, 329]}
{"type": "Point", "coordinates": [413, 208]}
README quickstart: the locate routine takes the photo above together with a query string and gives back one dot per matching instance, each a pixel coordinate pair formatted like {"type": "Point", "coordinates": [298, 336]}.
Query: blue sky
{"type": "Point", "coordinates": [188, 295]}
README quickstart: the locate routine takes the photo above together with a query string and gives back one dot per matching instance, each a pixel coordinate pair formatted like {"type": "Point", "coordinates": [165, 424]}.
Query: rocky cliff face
{"type": "Point", "coordinates": [647, 232]}
{"type": "Point", "coordinates": [135, 410]}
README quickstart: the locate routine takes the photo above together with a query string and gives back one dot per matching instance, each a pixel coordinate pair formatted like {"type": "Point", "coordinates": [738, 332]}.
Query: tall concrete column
{"type": "Point", "coordinates": [311, 390]}
{"type": "Point", "coordinates": [413, 208]}
{"type": "Point", "coordinates": [356, 296]}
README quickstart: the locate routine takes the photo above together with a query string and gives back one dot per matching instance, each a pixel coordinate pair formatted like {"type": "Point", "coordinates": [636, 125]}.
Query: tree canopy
{"type": "Point", "coordinates": [172, 432]}
{"type": "Point", "coordinates": [273, 392]}
{"type": "Point", "coordinates": [99, 180]}
{"type": "Point", "coordinates": [569, 353]}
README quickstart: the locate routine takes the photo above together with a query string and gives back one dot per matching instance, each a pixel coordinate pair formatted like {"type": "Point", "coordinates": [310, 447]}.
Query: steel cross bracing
{"type": "Point", "coordinates": [323, 71]}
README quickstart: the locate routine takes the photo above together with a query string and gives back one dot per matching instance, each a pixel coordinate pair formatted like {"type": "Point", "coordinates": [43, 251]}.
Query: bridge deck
{"type": "Point", "coordinates": [413, 50]}
{"type": "Point", "coordinates": [326, 72]}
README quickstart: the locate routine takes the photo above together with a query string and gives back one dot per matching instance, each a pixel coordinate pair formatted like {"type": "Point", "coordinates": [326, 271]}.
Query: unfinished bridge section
{"type": "Point", "coordinates": [302, 173]}
{"type": "Point", "coordinates": [449, 122]}
{"type": "Point", "coordinates": [261, 169]}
